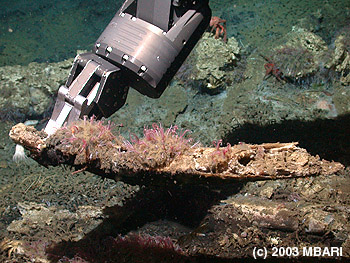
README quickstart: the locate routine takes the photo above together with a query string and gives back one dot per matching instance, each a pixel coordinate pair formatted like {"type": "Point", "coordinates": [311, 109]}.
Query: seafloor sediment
{"type": "Point", "coordinates": [283, 212]}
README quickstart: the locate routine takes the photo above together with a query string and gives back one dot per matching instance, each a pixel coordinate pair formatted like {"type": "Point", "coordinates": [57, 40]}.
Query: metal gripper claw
{"type": "Point", "coordinates": [91, 79]}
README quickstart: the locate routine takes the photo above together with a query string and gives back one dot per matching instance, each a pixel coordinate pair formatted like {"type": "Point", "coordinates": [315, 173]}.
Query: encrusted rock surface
{"type": "Point", "coordinates": [29, 90]}
{"type": "Point", "coordinates": [301, 55]}
{"type": "Point", "coordinates": [341, 58]}
{"type": "Point", "coordinates": [212, 60]}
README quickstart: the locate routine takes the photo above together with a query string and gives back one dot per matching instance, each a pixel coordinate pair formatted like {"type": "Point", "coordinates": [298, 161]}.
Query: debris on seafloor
{"type": "Point", "coordinates": [299, 58]}
{"type": "Point", "coordinates": [163, 155]}
{"type": "Point", "coordinates": [214, 64]}
{"type": "Point", "coordinates": [341, 59]}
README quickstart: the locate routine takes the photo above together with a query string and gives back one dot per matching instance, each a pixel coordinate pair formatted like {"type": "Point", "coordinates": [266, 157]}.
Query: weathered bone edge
{"type": "Point", "coordinates": [243, 162]}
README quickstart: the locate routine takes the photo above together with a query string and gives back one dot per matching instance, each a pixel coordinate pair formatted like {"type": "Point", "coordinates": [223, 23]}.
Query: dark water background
{"type": "Point", "coordinates": [48, 31]}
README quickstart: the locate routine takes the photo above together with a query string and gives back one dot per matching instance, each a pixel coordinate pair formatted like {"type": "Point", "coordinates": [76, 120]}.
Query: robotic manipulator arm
{"type": "Point", "coordinates": [142, 47]}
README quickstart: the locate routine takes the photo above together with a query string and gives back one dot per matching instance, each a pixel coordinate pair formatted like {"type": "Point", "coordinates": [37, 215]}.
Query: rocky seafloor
{"type": "Point", "coordinates": [222, 91]}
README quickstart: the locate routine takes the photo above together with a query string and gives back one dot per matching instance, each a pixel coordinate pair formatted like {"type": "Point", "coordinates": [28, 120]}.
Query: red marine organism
{"type": "Point", "coordinates": [272, 69]}
{"type": "Point", "coordinates": [219, 25]}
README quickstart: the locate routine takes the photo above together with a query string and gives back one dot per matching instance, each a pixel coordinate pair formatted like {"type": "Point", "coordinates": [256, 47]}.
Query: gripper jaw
{"type": "Point", "coordinates": [94, 87]}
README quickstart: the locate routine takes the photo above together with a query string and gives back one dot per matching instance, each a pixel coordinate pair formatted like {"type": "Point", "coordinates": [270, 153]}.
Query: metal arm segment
{"type": "Point", "coordinates": [143, 47]}
{"type": "Point", "coordinates": [152, 53]}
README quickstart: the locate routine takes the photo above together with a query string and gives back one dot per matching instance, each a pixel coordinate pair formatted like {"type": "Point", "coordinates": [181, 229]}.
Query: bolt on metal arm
{"type": "Point", "coordinates": [143, 46]}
